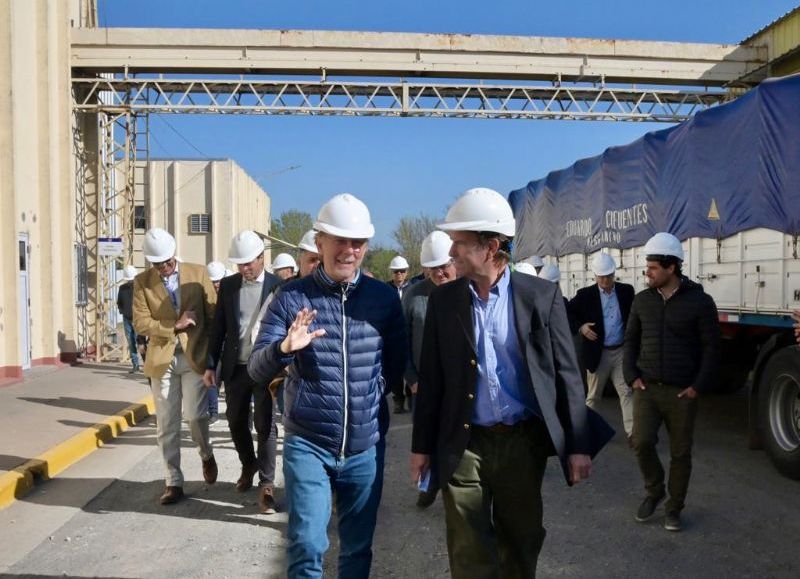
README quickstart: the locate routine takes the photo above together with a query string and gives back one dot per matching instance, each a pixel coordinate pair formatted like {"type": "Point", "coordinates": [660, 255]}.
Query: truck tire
{"type": "Point", "coordinates": [779, 410]}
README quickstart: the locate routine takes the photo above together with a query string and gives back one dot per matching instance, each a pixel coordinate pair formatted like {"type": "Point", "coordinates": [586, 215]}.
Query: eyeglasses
{"type": "Point", "coordinates": [443, 266]}
{"type": "Point", "coordinates": [399, 271]}
{"type": "Point", "coordinates": [160, 264]}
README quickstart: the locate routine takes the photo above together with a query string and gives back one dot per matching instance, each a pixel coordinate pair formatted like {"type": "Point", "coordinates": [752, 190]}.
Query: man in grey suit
{"type": "Point", "coordinates": [499, 391]}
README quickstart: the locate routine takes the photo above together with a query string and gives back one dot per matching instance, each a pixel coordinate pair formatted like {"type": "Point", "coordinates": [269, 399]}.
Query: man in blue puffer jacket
{"type": "Point", "coordinates": [341, 334]}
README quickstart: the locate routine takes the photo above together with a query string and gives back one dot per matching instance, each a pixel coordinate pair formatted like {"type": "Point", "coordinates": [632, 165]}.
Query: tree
{"type": "Point", "coordinates": [377, 261]}
{"type": "Point", "coordinates": [291, 225]}
{"type": "Point", "coordinates": [409, 234]}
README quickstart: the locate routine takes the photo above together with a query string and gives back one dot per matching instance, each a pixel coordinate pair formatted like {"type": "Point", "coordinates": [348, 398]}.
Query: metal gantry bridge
{"type": "Point", "coordinates": [123, 75]}
{"type": "Point", "coordinates": [392, 99]}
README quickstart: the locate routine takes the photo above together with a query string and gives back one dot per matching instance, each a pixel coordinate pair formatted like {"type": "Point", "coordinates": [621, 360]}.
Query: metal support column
{"type": "Point", "coordinates": [116, 173]}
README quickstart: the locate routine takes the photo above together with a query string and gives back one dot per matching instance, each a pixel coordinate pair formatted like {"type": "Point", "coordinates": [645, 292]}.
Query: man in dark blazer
{"type": "Point", "coordinates": [600, 312]}
{"type": "Point", "coordinates": [499, 391]}
{"type": "Point", "coordinates": [239, 301]}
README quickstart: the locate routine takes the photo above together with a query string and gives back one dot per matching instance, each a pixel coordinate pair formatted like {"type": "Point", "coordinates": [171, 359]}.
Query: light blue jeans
{"type": "Point", "coordinates": [311, 474]}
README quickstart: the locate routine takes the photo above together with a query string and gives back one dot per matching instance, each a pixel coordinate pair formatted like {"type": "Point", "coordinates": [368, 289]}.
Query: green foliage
{"type": "Point", "coordinates": [291, 225]}
{"type": "Point", "coordinates": [409, 234]}
{"type": "Point", "coordinates": [377, 261]}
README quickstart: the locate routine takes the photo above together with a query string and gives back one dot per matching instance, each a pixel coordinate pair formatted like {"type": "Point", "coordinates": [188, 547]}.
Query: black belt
{"type": "Point", "coordinates": [617, 347]}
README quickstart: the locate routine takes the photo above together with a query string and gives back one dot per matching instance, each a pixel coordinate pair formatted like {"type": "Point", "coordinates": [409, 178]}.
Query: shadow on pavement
{"type": "Point", "coordinates": [101, 407]}
{"type": "Point", "coordinates": [217, 502]}
{"type": "Point", "coordinates": [62, 576]}
{"type": "Point", "coordinates": [9, 461]}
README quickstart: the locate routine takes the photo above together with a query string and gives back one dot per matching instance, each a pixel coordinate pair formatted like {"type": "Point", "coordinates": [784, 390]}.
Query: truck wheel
{"type": "Point", "coordinates": [779, 410]}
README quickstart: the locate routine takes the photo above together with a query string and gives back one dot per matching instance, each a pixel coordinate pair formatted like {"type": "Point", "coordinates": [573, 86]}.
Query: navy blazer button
{"type": "Point", "coordinates": [470, 396]}
{"type": "Point", "coordinates": [466, 427]}
{"type": "Point", "coordinates": [473, 362]}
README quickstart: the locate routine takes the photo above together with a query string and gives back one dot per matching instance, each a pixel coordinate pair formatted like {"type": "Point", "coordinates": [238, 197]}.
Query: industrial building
{"type": "Point", "coordinates": [203, 203]}
{"type": "Point", "coordinates": [74, 167]}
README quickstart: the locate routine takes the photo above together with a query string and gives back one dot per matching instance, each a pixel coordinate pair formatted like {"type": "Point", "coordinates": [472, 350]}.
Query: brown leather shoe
{"type": "Point", "coordinates": [171, 496]}
{"type": "Point", "coordinates": [266, 501]}
{"type": "Point", "coordinates": [245, 481]}
{"type": "Point", "coordinates": [210, 470]}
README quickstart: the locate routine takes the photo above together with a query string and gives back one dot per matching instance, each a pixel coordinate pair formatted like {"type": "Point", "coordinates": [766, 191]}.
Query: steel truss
{"type": "Point", "coordinates": [122, 105]}
{"type": "Point", "coordinates": [393, 99]}
{"type": "Point", "coordinates": [117, 162]}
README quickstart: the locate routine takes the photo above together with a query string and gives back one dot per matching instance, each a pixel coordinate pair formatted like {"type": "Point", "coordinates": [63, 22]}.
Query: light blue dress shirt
{"type": "Point", "coordinates": [612, 318]}
{"type": "Point", "coordinates": [172, 283]}
{"type": "Point", "coordinates": [504, 392]}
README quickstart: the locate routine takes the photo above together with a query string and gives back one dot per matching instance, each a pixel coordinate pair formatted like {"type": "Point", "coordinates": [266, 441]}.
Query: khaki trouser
{"type": "Point", "coordinates": [660, 403]}
{"type": "Point", "coordinates": [611, 366]}
{"type": "Point", "coordinates": [493, 504]}
{"type": "Point", "coordinates": [180, 389]}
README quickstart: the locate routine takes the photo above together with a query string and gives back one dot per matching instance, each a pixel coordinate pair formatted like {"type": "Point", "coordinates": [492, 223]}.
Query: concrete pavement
{"type": "Point", "coordinates": [57, 416]}
{"type": "Point", "coordinates": [100, 517]}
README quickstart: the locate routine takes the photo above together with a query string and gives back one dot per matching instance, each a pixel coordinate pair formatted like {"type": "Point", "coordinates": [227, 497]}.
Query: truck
{"type": "Point", "coordinates": [727, 184]}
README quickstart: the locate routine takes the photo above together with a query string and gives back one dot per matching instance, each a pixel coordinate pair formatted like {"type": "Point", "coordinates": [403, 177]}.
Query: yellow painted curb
{"type": "Point", "coordinates": [19, 481]}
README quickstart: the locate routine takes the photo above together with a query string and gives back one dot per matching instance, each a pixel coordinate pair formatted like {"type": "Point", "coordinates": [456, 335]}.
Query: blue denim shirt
{"type": "Point", "coordinates": [612, 318]}
{"type": "Point", "coordinates": [504, 392]}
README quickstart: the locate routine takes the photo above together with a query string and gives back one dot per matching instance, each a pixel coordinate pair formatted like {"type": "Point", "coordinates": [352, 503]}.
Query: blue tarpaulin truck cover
{"type": "Point", "coordinates": [728, 169]}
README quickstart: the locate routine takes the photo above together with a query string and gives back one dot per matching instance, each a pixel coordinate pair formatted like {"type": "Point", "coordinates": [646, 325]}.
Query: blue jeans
{"type": "Point", "coordinates": [311, 473]}
{"type": "Point", "coordinates": [130, 335]}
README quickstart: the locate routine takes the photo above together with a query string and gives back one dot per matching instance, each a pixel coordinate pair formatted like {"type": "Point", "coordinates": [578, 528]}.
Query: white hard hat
{"type": "Point", "coordinates": [550, 272]}
{"type": "Point", "coordinates": [435, 249]}
{"type": "Point", "coordinates": [480, 209]}
{"type": "Point", "coordinates": [158, 245]}
{"type": "Point", "coordinates": [129, 272]}
{"type": "Point", "coordinates": [664, 244]}
{"type": "Point", "coordinates": [603, 264]}
{"type": "Point", "coordinates": [245, 247]}
{"type": "Point", "coordinates": [284, 260]}
{"type": "Point", "coordinates": [398, 262]}
{"type": "Point", "coordinates": [216, 270]}
{"type": "Point", "coordinates": [307, 242]}
{"type": "Point", "coordinates": [535, 261]}
{"type": "Point", "coordinates": [345, 216]}
{"type": "Point", "coordinates": [525, 267]}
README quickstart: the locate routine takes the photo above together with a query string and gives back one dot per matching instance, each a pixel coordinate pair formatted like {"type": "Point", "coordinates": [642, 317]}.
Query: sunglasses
{"type": "Point", "coordinates": [160, 264]}
{"type": "Point", "coordinates": [443, 266]}
{"type": "Point", "coordinates": [399, 271]}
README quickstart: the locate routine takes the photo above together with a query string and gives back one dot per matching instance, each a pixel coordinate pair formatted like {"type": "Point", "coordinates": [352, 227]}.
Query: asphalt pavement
{"type": "Point", "coordinates": [101, 517]}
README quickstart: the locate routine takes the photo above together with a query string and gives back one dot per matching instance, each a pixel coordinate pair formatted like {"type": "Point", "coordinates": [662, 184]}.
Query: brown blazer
{"type": "Point", "coordinates": [154, 317]}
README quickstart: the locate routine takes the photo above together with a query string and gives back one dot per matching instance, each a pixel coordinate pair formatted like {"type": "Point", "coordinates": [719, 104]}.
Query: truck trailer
{"type": "Point", "coordinates": [727, 184]}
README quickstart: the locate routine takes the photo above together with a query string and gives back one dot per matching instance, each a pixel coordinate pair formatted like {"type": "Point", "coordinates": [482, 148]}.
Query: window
{"type": "Point", "coordinates": [82, 275]}
{"type": "Point", "coordinates": [23, 258]}
{"type": "Point", "coordinates": [199, 223]}
{"type": "Point", "coordinates": [139, 217]}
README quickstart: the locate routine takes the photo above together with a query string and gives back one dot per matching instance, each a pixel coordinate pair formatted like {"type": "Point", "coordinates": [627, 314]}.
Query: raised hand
{"type": "Point", "coordinates": [298, 336]}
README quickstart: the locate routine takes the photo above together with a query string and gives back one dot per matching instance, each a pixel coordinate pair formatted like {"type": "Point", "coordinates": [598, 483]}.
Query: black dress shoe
{"type": "Point", "coordinates": [210, 470]}
{"type": "Point", "coordinates": [171, 496]}
{"type": "Point", "coordinates": [245, 481]}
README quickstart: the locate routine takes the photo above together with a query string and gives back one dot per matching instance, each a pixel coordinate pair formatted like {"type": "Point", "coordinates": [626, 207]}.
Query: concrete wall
{"type": "Point", "coordinates": [36, 180]}
{"type": "Point", "coordinates": [175, 189]}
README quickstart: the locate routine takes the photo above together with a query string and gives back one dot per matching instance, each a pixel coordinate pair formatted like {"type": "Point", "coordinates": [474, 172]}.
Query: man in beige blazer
{"type": "Point", "coordinates": [173, 305]}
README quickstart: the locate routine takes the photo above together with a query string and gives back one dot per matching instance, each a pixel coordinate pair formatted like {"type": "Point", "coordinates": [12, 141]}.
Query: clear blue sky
{"type": "Point", "coordinates": [409, 166]}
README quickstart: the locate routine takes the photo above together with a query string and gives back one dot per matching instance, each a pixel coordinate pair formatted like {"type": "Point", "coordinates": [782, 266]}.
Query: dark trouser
{"type": "Point", "coordinates": [650, 407]}
{"type": "Point", "coordinates": [493, 503]}
{"type": "Point", "coordinates": [130, 335]}
{"type": "Point", "coordinates": [399, 394]}
{"type": "Point", "coordinates": [238, 391]}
